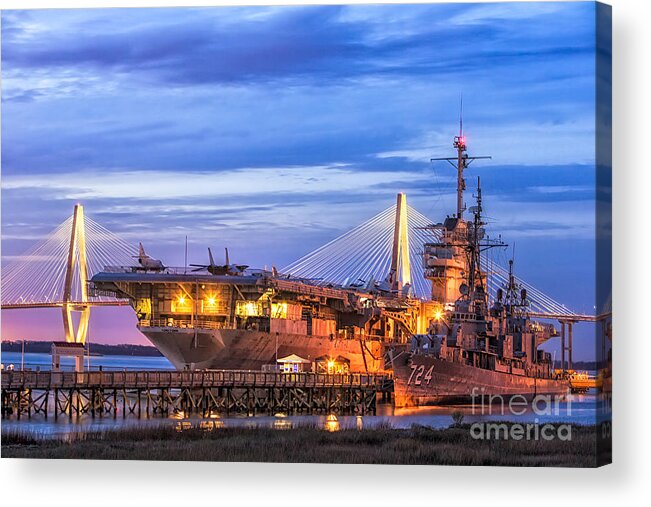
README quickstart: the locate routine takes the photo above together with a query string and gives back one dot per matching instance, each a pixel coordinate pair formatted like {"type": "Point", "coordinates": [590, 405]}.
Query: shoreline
{"type": "Point", "coordinates": [133, 350]}
{"type": "Point", "coordinates": [96, 349]}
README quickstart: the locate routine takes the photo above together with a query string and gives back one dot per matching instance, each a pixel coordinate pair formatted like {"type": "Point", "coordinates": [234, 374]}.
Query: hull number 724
{"type": "Point", "coordinates": [417, 374]}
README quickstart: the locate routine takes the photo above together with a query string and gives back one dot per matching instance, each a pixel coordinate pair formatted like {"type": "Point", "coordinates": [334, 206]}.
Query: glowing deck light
{"type": "Point", "coordinates": [438, 315]}
{"type": "Point", "coordinates": [211, 301]}
{"type": "Point", "coordinates": [250, 309]}
{"type": "Point", "coordinates": [181, 300]}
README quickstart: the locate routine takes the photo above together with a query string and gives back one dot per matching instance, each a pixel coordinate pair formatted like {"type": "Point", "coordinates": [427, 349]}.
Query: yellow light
{"type": "Point", "coordinates": [181, 300]}
{"type": "Point", "coordinates": [332, 423]}
{"type": "Point", "coordinates": [211, 301]}
{"type": "Point", "coordinates": [331, 365]}
{"type": "Point", "coordinates": [438, 314]}
{"type": "Point", "coordinates": [279, 310]}
{"type": "Point", "coordinates": [283, 424]}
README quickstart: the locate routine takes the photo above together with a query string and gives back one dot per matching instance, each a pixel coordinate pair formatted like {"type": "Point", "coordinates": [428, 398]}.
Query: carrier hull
{"type": "Point", "coordinates": [428, 380]}
{"type": "Point", "coordinates": [239, 349]}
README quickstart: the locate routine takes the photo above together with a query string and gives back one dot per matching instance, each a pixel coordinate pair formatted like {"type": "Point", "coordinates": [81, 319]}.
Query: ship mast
{"type": "Point", "coordinates": [453, 261]}
{"type": "Point", "coordinates": [460, 145]}
{"type": "Point", "coordinates": [474, 247]}
{"type": "Point", "coordinates": [516, 304]}
{"type": "Point", "coordinates": [460, 162]}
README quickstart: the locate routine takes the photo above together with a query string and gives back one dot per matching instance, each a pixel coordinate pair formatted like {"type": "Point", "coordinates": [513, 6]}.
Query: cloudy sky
{"type": "Point", "coordinates": [274, 130]}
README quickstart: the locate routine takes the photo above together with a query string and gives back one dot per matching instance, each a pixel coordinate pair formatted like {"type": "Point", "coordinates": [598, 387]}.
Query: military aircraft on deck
{"type": "Point", "coordinates": [148, 263]}
{"type": "Point", "coordinates": [224, 269]}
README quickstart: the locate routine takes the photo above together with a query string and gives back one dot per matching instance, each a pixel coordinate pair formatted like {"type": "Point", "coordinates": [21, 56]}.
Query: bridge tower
{"type": "Point", "coordinates": [76, 258]}
{"type": "Point", "coordinates": [400, 270]}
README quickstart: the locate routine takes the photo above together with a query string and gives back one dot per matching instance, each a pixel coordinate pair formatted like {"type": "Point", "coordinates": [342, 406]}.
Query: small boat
{"type": "Point", "coordinates": [581, 381]}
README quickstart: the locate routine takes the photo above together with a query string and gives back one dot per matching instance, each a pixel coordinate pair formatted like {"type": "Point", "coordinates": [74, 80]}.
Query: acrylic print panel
{"type": "Point", "coordinates": [342, 234]}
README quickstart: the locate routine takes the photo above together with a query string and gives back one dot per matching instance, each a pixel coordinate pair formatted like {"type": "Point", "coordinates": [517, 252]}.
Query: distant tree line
{"type": "Point", "coordinates": [95, 348]}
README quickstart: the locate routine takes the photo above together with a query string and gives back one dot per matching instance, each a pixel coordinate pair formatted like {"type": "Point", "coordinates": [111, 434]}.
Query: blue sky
{"type": "Point", "coordinates": [272, 130]}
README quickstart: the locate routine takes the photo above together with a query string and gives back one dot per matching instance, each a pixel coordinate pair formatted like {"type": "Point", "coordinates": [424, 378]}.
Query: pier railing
{"type": "Point", "coordinates": [206, 392]}
{"type": "Point", "coordinates": [187, 379]}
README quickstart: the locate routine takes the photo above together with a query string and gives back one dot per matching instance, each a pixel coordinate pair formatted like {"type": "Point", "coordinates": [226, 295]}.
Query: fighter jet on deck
{"type": "Point", "coordinates": [148, 263]}
{"type": "Point", "coordinates": [225, 269]}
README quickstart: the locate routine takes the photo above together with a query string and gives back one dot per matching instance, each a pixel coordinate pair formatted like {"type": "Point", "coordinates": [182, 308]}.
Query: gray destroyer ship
{"type": "Point", "coordinates": [474, 349]}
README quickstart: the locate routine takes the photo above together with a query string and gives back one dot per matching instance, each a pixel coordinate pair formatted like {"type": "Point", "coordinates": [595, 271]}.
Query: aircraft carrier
{"type": "Point", "coordinates": [233, 317]}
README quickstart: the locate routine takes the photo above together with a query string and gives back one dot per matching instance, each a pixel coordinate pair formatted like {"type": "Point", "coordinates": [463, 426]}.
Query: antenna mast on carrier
{"type": "Point", "coordinates": [460, 162]}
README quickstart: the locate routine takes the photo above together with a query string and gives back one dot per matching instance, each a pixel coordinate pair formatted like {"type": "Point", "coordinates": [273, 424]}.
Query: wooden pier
{"type": "Point", "coordinates": [150, 393]}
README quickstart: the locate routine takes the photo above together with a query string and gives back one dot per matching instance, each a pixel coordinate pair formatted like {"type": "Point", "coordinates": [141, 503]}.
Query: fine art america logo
{"type": "Point", "coordinates": [542, 405]}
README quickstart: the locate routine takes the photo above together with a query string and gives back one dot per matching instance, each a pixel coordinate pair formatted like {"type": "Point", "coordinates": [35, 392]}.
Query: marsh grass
{"type": "Point", "coordinates": [418, 445]}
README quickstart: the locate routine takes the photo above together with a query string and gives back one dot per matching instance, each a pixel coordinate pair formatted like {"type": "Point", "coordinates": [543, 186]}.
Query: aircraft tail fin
{"type": "Point", "coordinates": [212, 261]}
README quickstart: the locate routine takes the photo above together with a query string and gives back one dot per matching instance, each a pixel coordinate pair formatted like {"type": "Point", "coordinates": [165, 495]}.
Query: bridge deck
{"type": "Point", "coordinates": [568, 317]}
{"type": "Point", "coordinates": [60, 304]}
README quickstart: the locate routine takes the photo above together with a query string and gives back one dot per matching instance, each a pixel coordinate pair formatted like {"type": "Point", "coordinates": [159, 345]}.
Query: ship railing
{"type": "Point", "coordinates": [136, 268]}
{"type": "Point", "coordinates": [182, 323]}
{"type": "Point", "coordinates": [310, 288]}
{"type": "Point", "coordinates": [118, 269]}
{"type": "Point", "coordinates": [186, 379]}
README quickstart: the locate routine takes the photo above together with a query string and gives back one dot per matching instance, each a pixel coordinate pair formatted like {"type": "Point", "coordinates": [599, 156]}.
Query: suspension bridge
{"type": "Point", "coordinates": [56, 271]}
{"type": "Point", "coordinates": [364, 254]}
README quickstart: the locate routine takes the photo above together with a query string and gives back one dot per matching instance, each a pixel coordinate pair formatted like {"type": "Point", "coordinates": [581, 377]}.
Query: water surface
{"type": "Point", "coordinates": [577, 409]}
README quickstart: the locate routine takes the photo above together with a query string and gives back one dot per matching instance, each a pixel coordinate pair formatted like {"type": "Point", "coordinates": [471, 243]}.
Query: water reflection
{"type": "Point", "coordinates": [183, 426]}
{"type": "Point", "coordinates": [582, 410]}
{"type": "Point", "coordinates": [211, 425]}
{"type": "Point", "coordinates": [282, 423]}
{"type": "Point", "coordinates": [578, 409]}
